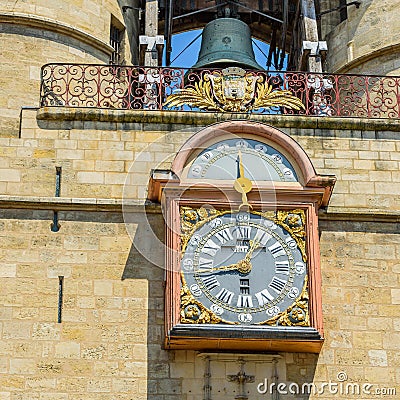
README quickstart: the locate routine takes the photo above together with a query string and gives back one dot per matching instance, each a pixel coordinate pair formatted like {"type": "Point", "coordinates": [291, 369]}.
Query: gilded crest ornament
{"type": "Point", "coordinates": [233, 90]}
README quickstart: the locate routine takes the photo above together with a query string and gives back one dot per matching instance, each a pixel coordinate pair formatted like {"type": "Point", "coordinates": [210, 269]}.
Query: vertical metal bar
{"type": "Point", "coordinates": [207, 378]}
{"type": "Point", "coordinates": [367, 93]}
{"type": "Point", "coordinates": [336, 88]}
{"type": "Point", "coordinates": [67, 74]}
{"type": "Point", "coordinates": [169, 10]}
{"type": "Point", "coordinates": [55, 226]}
{"type": "Point", "coordinates": [318, 12]}
{"type": "Point", "coordinates": [99, 76]}
{"type": "Point", "coordinates": [284, 32]}
{"type": "Point", "coordinates": [398, 97]}
{"type": "Point", "coordinates": [60, 297]}
{"type": "Point", "coordinates": [343, 10]}
{"type": "Point", "coordinates": [58, 181]}
{"type": "Point", "coordinates": [272, 47]}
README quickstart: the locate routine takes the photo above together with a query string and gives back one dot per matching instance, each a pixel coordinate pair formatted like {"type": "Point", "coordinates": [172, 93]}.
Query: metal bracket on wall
{"type": "Point", "coordinates": [313, 49]}
{"type": "Point", "coordinates": [125, 8]}
{"type": "Point", "coordinates": [352, 3]}
{"type": "Point", "coordinates": [151, 44]}
{"type": "Point", "coordinates": [241, 378]}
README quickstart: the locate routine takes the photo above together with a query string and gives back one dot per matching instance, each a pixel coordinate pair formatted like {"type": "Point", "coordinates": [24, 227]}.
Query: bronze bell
{"type": "Point", "coordinates": [227, 42]}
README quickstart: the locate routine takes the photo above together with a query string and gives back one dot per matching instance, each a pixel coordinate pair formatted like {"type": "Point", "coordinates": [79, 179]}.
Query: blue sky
{"type": "Point", "coordinates": [189, 56]}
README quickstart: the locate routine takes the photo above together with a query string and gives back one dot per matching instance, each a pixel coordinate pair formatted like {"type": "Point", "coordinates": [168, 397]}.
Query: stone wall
{"type": "Point", "coordinates": [38, 32]}
{"type": "Point", "coordinates": [109, 343]}
{"type": "Point", "coordinates": [98, 158]}
{"type": "Point", "coordinates": [90, 16]}
{"type": "Point", "coordinates": [365, 43]}
{"type": "Point", "coordinates": [97, 352]}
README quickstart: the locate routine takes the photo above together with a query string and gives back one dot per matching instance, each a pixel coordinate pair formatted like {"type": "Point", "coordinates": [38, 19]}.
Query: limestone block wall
{"type": "Point", "coordinates": [367, 42]}
{"type": "Point", "coordinates": [20, 75]}
{"type": "Point", "coordinates": [90, 16]}
{"type": "Point", "coordinates": [100, 349]}
{"type": "Point", "coordinates": [98, 158]}
{"type": "Point", "coordinates": [38, 32]}
{"type": "Point", "coordinates": [109, 343]}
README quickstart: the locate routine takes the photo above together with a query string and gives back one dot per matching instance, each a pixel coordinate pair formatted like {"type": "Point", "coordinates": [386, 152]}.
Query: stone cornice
{"type": "Point", "coordinates": [43, 23]}
{"type": "Point", "coordinates": [137, 206]}
{"type": "Point", "coordinates": [76, 204]}
{"type": "Point", "coordinates": [207, 118]}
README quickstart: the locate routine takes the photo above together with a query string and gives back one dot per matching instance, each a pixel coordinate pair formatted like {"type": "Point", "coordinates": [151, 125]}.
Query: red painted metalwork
{"type": "Point", "coordinates": [135, 88]}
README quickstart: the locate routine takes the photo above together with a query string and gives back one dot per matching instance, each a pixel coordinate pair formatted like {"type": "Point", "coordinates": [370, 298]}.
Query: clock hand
{"type": "Point", "coordinates": [243, 266]}
{"type": "Point", "coordinates": [242, 184]}
{"type": "Point", "coordinates": [230, 267]}
{"type": "Point", "coordinates": [241, 169]}
{"type": "Point", "coordinates": [253, 245]}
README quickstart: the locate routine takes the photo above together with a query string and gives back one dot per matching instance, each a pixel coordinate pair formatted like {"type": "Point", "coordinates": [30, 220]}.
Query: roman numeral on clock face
{"type": "Point", "coordinates": [262, 237]}
{"type": "Point", "coordinates": [244, 301]}
{"type": "Point", "coordinates": [277, 250]}
{"type": "Point", "coordinates": [282, 267]}
{"type": "Point", "coordinates": [210, 248]}
{"type": "Point", "coordinates": [277, 284]}
{"type": "Point", "coordinates": [211, 282]}
{"type": "Point", "coordinates": [243, 232]}
{"type": "Point", "coordinates": [224, 235]}
{"type": "Point", "coordinates": [225, 295]}
{"type": "Point", "coordinates": [205, 263]}
{"type": "Point", "coordinates": [264, 297]}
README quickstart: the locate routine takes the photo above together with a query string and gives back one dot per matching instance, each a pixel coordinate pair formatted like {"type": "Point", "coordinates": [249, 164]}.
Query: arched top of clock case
{"type": "Point", "coordinates": [294, 161]}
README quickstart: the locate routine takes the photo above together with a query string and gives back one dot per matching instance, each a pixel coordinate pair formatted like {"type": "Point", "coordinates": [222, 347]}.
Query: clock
{"type": "Point", "coordinates": [244, 268]}
{"type": "Point", "coordinates": [242, 262]}
{"type": "Point", "coordinates": [262, 162]}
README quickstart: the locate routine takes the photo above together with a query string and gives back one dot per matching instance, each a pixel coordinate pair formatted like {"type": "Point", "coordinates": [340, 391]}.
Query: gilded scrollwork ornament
{"type": "Point", "coordinates": [295, 315]}
{"type": "Point", "coordinates": [294, 221]}
{"type": "Point", "coordinates": [194, 218]}
{"type": "Point", "coordinates": [233, 90]}
{"type": "Point", "coordinates": [194, 312]}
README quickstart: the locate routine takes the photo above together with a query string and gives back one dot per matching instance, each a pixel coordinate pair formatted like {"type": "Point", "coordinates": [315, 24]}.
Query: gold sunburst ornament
{"type": "Point", "coordinates": [233, 90]}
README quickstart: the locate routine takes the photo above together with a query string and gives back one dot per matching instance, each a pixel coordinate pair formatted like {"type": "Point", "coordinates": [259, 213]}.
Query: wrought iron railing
{"type": "Point", "coordinates": [135, 88]}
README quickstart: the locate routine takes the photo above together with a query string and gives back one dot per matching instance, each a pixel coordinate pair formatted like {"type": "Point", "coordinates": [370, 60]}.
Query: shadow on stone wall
{"type": "Point", "coordinates": [142, 227]}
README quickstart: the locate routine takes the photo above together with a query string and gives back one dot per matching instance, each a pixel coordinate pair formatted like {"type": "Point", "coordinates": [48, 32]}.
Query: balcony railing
{"type": "Point", "coordinates": [149, 88]}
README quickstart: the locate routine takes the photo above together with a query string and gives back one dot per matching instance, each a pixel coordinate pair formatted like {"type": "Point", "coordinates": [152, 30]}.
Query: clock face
{"type": "Point", "coordinates": [261, 162]}
{"type": "Point", "coordinates": [243, 267]}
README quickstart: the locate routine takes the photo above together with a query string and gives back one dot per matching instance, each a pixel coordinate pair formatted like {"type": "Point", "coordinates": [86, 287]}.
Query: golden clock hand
{"type": "Point", "coordinates": [242, 184]}
{"type": "Point", "coordinates": [253, 245]}
{"type": "Point", "coordinates": [226, 267]}
{"type": "Point", "coordinates": [243, 266]}
{"type": "Point", "coordinates": [241, 169]}
{"type": "Point", "coordinates": [223, 268]}
{"type": "Point", "coordinates": [245, 202]}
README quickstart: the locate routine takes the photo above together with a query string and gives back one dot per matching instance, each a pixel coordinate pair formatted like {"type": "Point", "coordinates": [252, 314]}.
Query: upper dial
{"type": "Point", "coordinates": [260, 162]}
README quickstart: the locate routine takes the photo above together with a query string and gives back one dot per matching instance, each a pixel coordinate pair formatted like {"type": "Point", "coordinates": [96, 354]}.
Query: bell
{"type": "Point", "coordinates": [226, 42]}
